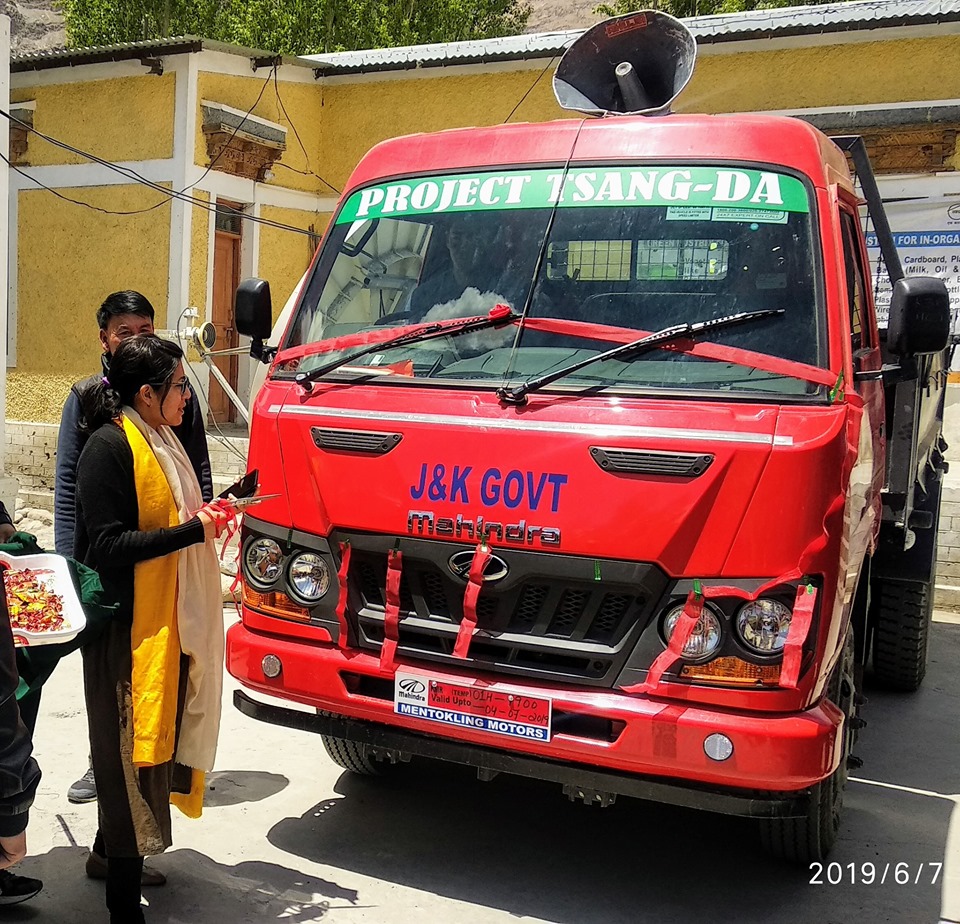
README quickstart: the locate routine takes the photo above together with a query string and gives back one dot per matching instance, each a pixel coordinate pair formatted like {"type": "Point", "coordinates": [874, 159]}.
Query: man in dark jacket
{"type": "Point", "coordinates": [19, 774]}
{"type": "Point", "coordinates": [122, 315]}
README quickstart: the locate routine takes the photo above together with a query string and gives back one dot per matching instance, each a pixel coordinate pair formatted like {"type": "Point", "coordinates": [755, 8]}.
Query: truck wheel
{"type": "Point", "coordinates": [809, 838]}
{"type": "Point", "coordinates": [902, 600]}
{"type": "Point", "coordinates": [900, 633]}
{"type": "Point", "coordinates": [350, 755]}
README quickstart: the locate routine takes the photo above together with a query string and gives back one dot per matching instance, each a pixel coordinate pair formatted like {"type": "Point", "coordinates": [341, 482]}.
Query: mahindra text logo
{"type": "Point", "coordinates": [413, 687]}
{"type": "Point", "coordinates": [496, 568]}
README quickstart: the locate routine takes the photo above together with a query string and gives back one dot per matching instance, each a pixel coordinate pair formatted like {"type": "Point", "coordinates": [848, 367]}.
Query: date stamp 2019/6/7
{"type": "Point", "coordinates": [901, 872]}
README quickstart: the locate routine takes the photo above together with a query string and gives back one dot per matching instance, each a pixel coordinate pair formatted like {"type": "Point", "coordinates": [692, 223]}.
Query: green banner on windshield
{"type": "Point", "coordinates": [721, 187]}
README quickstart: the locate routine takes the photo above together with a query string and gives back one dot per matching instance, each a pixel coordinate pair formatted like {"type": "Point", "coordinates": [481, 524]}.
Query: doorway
{"type": "Point", "coordinates": [228, 231]}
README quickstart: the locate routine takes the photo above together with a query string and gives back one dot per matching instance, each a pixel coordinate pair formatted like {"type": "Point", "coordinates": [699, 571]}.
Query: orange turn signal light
{"type": "Point", "coordinates": [274, 603]}
{"type": "Point", "coordinates": [733, 670]}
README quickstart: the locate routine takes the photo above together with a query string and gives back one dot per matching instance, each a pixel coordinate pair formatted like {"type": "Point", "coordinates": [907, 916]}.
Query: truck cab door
{"type": "Point", "coordinates": [866, 357]}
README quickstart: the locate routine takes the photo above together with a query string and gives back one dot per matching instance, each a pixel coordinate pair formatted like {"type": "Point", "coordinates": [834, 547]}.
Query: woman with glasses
{"type": "Point", "coordinates": [153, 679]}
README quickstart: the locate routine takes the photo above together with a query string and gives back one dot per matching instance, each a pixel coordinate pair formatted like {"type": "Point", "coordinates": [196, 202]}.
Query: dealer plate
{"type": "Point", "coordinates": [515, 715]}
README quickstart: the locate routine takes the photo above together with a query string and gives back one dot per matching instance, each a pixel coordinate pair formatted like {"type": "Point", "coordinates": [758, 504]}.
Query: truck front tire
{"type": "Point", "coordinates": [809, 838]}
{"type": "Point", "coordinates": [350, 755]}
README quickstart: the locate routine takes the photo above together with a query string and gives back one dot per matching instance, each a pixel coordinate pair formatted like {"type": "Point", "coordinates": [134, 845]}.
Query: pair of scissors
{"type": "Point", "coordinates": [241, 503]}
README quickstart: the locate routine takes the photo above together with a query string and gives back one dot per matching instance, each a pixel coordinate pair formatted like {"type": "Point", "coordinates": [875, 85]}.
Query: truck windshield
{"type": "Point", "coordinates": [606, 248]}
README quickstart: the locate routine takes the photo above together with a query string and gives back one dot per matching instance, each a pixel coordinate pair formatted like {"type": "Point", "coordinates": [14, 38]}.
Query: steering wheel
{"type": "Point", "coordinates": [400, 317]}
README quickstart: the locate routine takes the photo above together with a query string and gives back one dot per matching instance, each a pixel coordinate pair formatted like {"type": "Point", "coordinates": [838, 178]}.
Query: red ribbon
{"type": "Point", "coordinates": [391, 616]}
{"type": "Point", "coordinates": [342, 598]}
{"type": "Point", "coordinates": [232, 521]}
{"type": "Point", "coordinates": [606, 332]}
{"type": "Point", "coordinates": [806, 600]}
{"type": "Point", "coordinates": [717, 351]}
{"type": "Point", "coordinates": [371, 337]}
{"type": "Point", "coordinates": [692, 611]}
{"type": "Point", "coordinates": [474, 583]}
{"type": "Point", "coordinates": [799, 628]}
{"type": "Point", "coordinates": [801, 621]}
{"type": "Point", "coordinates": [233, 524]}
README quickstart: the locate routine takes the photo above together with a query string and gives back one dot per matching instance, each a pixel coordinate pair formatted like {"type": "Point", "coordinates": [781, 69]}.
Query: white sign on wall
{"type": "Point", "coordinates": [926, 232]}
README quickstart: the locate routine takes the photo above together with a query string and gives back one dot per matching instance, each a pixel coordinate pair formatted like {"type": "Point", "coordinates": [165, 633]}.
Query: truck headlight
{"type": "Point", "coordinates": [309, 576]}
{"type": "Point", "coordinates": [262, 562]}
{"type": "Point", "coordinates": [705, 638]}
{"type": "Point", "coordinates": [763, 625]}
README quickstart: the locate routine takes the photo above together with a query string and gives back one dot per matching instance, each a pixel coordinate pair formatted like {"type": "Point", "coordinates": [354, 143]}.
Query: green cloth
{"type": "Point", "coordinates": [35, 664]}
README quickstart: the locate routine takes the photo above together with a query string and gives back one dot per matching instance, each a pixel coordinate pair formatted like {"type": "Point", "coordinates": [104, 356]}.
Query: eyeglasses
{"type": "Point", "coordinates": [183, 385]}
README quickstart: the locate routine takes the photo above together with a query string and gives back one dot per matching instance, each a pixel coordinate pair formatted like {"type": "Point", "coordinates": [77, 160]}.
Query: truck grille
{"type": "Point", "coordinates": [549, 617]}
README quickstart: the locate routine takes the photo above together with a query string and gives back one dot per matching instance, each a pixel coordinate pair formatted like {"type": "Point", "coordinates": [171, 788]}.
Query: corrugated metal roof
{"type": "Point", "coordinates": [837, 17]}
{"type": "Point", "coordinates": [509, 48]}
{"type": "Point", "coordinates": [801, 20]}
{"type": "Point", "coordinates": [139, 51]}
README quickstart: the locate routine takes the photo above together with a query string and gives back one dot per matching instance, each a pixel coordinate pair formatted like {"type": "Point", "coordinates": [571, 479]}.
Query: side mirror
{"type": "Point", "coordinates": [253, 313]}
{"type": "Point", "coordinates": [919, 316]}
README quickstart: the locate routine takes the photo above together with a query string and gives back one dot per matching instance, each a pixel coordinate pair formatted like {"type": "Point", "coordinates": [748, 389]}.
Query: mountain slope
{"type": "Point", "coordinates": [34, 25]}
{"type": "Point", "coordinates": [557, 15]}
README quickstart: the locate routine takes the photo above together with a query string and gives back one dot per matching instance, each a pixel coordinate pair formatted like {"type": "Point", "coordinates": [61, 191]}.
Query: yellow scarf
{"type": "Point", "coordinates": [154, 636]}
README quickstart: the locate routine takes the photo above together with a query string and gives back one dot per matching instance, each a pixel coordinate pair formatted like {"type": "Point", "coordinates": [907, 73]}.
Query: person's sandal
{"type": "Point", "coordinates": [97, 869]}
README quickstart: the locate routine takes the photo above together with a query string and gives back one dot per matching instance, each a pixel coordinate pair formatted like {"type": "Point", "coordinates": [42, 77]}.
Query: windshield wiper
{"type": "Point", "coordinates": [518, 393]}
{"type": "Point", "coordinates": [498, 316]}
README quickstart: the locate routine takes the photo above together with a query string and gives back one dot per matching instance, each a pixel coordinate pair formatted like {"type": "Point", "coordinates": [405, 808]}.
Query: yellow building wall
{"type": "Point", "coordinates": [838, 75]}
{"type": "Point", "coordinates": [69, 258]}
{"type": "Point", "coordinates": [285, 255]}
{"type": "Point", "coordinates": [835, 75]}
{"type": "Point", "coordinates": [298, 165]}
{"type": "Point", "coordinates": [358, 115]}
{"type": "Point", "coordinates": [199, 249]}
{"type": "Point", "coordinates": [129, 118]}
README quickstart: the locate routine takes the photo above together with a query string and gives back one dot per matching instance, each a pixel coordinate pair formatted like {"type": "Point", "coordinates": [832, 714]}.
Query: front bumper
{"type": "Point", "coordinates": [775, 756]}
{"type": "Point", "coordinates": [578, 782]}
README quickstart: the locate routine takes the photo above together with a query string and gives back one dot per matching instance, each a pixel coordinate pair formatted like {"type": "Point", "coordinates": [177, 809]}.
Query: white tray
{"type": "Point", "coordinates": [60, 583]}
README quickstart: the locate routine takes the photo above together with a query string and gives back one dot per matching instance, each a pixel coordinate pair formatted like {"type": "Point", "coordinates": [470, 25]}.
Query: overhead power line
{"type": "Point", "coordinates": [135, 177]}
{"type": "Point", "coordinates": [182, 194]}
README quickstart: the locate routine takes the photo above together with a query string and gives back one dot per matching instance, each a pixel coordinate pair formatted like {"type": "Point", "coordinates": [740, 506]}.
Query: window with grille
{"type": "Point", "coordinates": [229, 218]}
{"type": "Point", "coordinates": [622, 261]}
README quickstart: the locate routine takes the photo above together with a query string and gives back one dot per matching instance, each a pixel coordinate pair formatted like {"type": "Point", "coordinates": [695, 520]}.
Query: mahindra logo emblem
{"type": "Point", "coordinates": [412, 686]}
{"type": "Point", "coordinates": [495, 570]}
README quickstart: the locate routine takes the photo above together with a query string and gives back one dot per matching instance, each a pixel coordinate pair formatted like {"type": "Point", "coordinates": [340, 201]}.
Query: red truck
{"type": "Point", "coordinates": [592, 463]}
